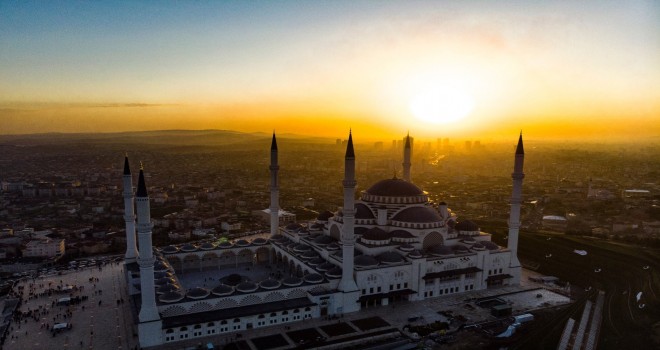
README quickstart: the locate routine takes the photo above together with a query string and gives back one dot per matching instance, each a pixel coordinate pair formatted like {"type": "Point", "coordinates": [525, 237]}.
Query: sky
{"type": "Point", "coordinates": [555, 69]}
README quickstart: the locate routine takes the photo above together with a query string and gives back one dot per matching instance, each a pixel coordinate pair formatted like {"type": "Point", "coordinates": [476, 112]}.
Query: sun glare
{"type": "Point", "coordinates": [441, 105]}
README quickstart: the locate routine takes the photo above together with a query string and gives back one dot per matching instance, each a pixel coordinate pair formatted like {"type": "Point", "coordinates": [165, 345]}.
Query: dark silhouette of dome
{"type": "Point", "coordinates": [207, 246]}
{"type": "Point", "coordinates": [198, 293]}
{"type": "Point", "coordinates": [401, 234]}
{"type": "Point", "coordinates": [316, 261]}
{"type": "Point", "coordinates": [459, 249]}
{"type": "Point", "coordinates": [394, 188]}
{"type": "Point", "coordinates": [365, 261]}
{"type": "Point", "coordinates": [418, 215]}
{"type": "Point", "coordinates": [363, 212]}
{"type": "Point", "coordinates": [222, 289]}
{"type": "Point", "coordinates": [325, 267]}
{"type": "Point", "coordinates": [407, 247]}
{"type": "Point", "coordinates": [490, 245]}
{"type": "Point", "coordinates": [415, 254]}
{"type": "Point", "coordinates": [270, 284]}
{"type": "Point", "coordinates": [189, 248]}
{"type": "Point", "coordinates": [313, 278]}
{"type": "Point", "coordinates": [259, 241]}
{"type": "Point", "coordinates": [376, 234]}
{"type": "Point", "coordinates": [166, 288]}
{"type": "Point", "coordinates": [441, 250]}
{"type": "Point", "coordinates": [225, 245]}
{"type": "Point", "coordinates": [242, 243]}
{"type": "Point", "coordinates": [292, 281]}
{"type": "Point", "coordinates": [171, 297]}
{"type": "Point", "coordinates": [324, 216]}
{"type": "Point", "coordinates": [246, 287]}
{"type": "Point", "coordinates": [466, 225]}
{"type": "Point", "coordinates": [323, 240]}
{"type": "Point", "coordinates": [170, 249]}
{"type": "Point", "coordinates": [334, 273]}
{"type": "Point", "coordinates": [478, 246]}
{"type": "Point", "coordinates": [390, 258]}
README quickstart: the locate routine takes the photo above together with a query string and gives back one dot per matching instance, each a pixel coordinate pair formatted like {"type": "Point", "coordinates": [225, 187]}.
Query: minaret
{"type": "Point", "coordinates": [406, 159]}
{"type": "Point", "coordinates": [347, 283]}
{"type": "Point", "coordinates": [274, 189]}
{"type": "Point", "coordinates": [129, 215]}
{"type": "Point", "coordinates": [514, 218]}
{"type": "Point", "coordinates": [148, 309]}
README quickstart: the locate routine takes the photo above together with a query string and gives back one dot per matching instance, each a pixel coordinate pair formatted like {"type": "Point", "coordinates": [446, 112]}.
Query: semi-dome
{"type": "Point", "coordinates": [459, 249]}
{"type": "Point", "coordinates": [310, 254]}
{"type": "Point", "coordinates": [198, 293]}
{"type": "Point", "coordinates": [466, 225]}
{"type": "Point", "coordinates": [418, 215]}
{"type": "Point", "coordinates": [365, 261]}
{"type": "Point", "coordinates": [301, 248]}
{"type": "Point", "coordinates": [333, 246]}
{"type": "Point", "coordinates": [390, 258]}
{"type": "Point", "coordinates": [363, 212]}
{"type": "Point", "coordinates": [323, 240]}
{"type": "Point", "coordinates": [441, 250]}
{"type": "Point", "coordinates": [394, 188]}
{"type": "Point", "coordinates": [222, 290]}
{"type": "Point", "coordinates": [376, 234]}
{"type": "Point", "coordinates": [401, 234]}
{"type": "Point", "coordinates": [415, 254]}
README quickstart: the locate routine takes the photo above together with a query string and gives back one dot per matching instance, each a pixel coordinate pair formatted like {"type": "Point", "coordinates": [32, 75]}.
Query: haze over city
{"type": "Point", "coordinates": [558, 70]}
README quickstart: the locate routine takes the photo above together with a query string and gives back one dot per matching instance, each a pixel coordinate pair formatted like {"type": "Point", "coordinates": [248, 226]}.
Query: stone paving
{"type": "Point", "coordinates": [99, 322]}
{"type": "Point", "coordinates": [106, 324]}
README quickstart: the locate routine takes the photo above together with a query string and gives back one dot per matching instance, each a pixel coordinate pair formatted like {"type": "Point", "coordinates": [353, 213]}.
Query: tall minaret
{"type": "Point", "coordinates": [148, 310]}
{"type": "Point", "coordinates": [129, 215]}
{"type": "Point", "coordinates": [347, 283]}
{"type": "Point", "coordinates": [514, 218]}
{"type": "Point", "coordinates": [406, 159]}
{"type": "Point", "coordinates": [274, 189]}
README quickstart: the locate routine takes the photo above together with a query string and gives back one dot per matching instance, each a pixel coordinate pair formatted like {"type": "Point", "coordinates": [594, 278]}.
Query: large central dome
{"type": "Point", "coordinates": [394, 187]}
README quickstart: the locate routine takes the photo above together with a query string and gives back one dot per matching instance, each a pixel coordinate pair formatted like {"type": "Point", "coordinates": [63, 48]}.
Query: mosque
{"type": "Point", "coordinates": [392, 244]}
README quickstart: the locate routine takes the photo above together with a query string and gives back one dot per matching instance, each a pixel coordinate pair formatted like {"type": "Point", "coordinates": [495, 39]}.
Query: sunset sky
{"type": "Point", "coordinates": [556, 69]}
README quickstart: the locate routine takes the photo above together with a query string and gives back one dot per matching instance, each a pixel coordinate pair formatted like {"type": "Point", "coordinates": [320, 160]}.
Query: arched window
{"type": "Point", "coordinates": [261, 316]}
{"type": "Point", "coordinates": [308, 309]}
{"type": "Point", "coordinates": [197, 326]}
{"type": "Point", "coordinates": [285, 312]}
{"type": "Point", "coordinates": [273, 314]}
{"type": "Point", "coordinates": [237, 320]}
{"type": "Point", "coordinates": [170, 330]}
{"type": "Point", "coordinates": [183, 329]}
{"type": "Point", "coordinates": [295, 311]}
{"type": "Point", "coordinates": [210, 324]}
{"type": "Point", "coordinates": [223, 322]}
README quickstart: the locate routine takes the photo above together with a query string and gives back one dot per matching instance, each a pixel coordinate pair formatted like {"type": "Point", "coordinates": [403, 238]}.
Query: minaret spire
{"type": "Point", "coordinates": [514, 217]}
{"type": "Point", "coordinates": [406, 159]}
{"type": "Point", "coordinates": [129, 214]}
{"type": "Point", "coordinates": [149, 317]}
{"type": "Point", "coordinates": [274, 188]}
{"type": "Point", "coordinates": [347, 283]}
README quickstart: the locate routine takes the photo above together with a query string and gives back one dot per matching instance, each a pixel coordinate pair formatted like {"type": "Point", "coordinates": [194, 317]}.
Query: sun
{"type": "Point", "coordinates": [441, 105]}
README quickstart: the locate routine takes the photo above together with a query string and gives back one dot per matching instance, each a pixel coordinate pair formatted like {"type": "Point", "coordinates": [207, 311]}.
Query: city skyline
{"type": "Point", "coordinates": [556, 70]}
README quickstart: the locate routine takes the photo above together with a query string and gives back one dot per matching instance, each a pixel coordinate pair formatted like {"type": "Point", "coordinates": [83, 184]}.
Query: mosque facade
{"type": "Point", "coordinates": [391, 245]}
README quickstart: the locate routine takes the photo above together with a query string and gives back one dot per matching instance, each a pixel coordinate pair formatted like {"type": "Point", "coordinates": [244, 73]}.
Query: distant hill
{"type": "Point", "coordinates": [157, 137]}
